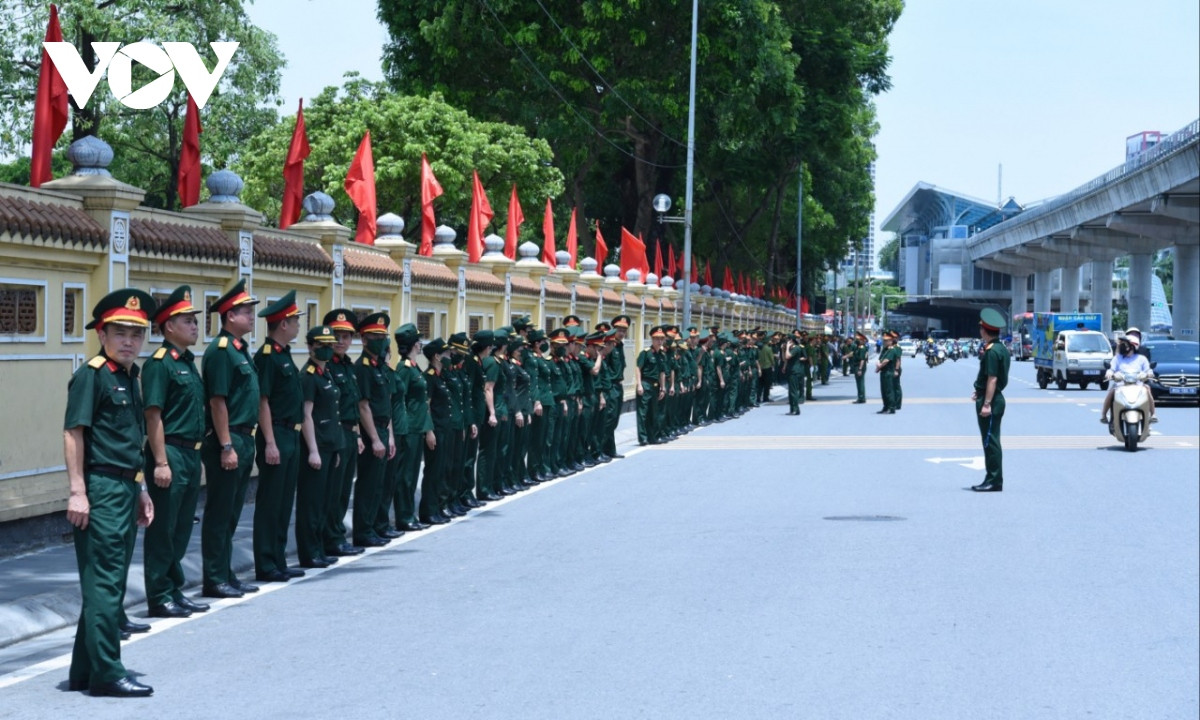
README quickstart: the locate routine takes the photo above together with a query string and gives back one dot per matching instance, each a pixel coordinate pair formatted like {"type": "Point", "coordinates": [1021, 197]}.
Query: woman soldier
{"type": "Point", "coordinates": [432, 482]}
{"type": "Point", "coordinates": [322, 436]}
{"type": "Point", "coordinates": [409, 384]}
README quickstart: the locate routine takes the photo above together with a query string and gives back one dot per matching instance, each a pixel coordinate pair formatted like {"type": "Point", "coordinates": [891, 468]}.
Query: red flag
{"type": "Point", "coordinates": [633, 254]}
{"type": "Point", "coordinates": [430, 189]}
{"type": "Point", "coordinates": [695, 278]}
{"type": "Point", "coordinates": [513, 232]}
{"type": "Point", "coordinates": [481, 215]}
{"type": "Point", "coordinates": [658, 268]}
{"type": "Point", "coordinates": [188, 186]}
{"type": "Point", "coordinates": [645, 258]}
{"type": "Point", "coordinates": [548, 234]}
{"type": "Point", "coordinates": [50, 109]}
{"type": "Point", "coordinates": [293, 172]}
{"type": "Point", "coordinates": [708, 273]}
{"type": "Point", "coordinates": [671, 262]}
{"type": "Point", "coordinates": [804, 305]}
{"type": "Point", "coordinates": [727, 284]}
{"type": "Point", "coordinates": [360, 186]}
{"type": "Point", "coordinates": [572, 240]}
{"type": "Point", "coordinates": [601, 250]}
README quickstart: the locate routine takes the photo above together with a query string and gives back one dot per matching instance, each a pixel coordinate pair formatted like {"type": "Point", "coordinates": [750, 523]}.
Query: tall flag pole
{"type": "Point", "coordinates": [293, 172]}
{"type": "Point", "coordinates": [548, 233]}
{"type": "Point", "coordinates": [481, 215]}
{"type": "Point", "coordinates": [430, 189]}
{"type": "Point", "coordinates": [50, 109]}
{"type": "Point", "coordinates": [360, 186]}
{"type": "Point", "coordinates": [188, 187]}
{"type": "Point", "coordinates": [512, 232]}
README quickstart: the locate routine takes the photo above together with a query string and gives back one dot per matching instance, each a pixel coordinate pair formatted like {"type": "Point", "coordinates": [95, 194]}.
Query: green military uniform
{"type": "Point", "coordinates": [616, 363]}
{"type": "Point", "coordinates": [993, 362]}
{"type": "Point", "coordinates": [341, 482]}
{"type": "Point", "coordinates": [409, 384]}
{"type": "Point", "coordinates": [375, 388]}
{"type": "Point", "coordinates": [797, 371]}
{"type": "Point", "coordinates": [897, 354]}
{"type": "Point", "coordinates": [323, 438]}
{"type": "Point", "coordinates": [435, 458]}
{"type": "Point", "coordinates": [477, 405]}
{"type": "Point", "coordinates": [487, 464]}
{"type": "Point", "coordinates": [519, 381]}
{"type": "Point", "coordinates": [228, 374]}
{"type": "Point", "coordinates": [858, 366]}
{"type": "Point", "coordinates": [543, 392]}
{"type": "Point", "coordinates": [452, 451]}
{"type": "Point", "coordinates": [279, 385]}
{"type": "Point", "coordinates": [887, 379]}
{"type": "Point", "coordinates": [171, 383]}
{"type": "Point", "coordinates": [105, 404]}
{"type": "Point", "coordinates": [652, 371]}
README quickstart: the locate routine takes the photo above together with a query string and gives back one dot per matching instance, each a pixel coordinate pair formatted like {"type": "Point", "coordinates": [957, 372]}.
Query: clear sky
{"type": "Point", "coordinates": [1048, 88]}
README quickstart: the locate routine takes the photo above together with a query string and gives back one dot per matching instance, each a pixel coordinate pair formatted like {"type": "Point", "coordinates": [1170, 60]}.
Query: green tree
{"type": "Point", "coordinates": [145, 142]}
{"type": "Point", "coordinates": [402, 128]}
{"type": "Point", "coordinates": [889, 257]}
{"type": "Point", "coordinates": [605, 82]}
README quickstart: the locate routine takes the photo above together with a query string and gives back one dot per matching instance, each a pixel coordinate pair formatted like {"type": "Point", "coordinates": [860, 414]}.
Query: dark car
{"type": "Point", "coordinates": [1176, 370]}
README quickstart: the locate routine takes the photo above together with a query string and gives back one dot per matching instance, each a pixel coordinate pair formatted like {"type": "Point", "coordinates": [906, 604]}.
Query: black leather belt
{"type": "Point", "coordinates": [349, 424]}
{"type": "Point", "coordinates": [182, 442]}
{"type": "Point", "coordinates": [115, 471]}
{"type": "Point", "coordinates": [294, 426]}
{"type": "Point", "coordinates": [242, 429]}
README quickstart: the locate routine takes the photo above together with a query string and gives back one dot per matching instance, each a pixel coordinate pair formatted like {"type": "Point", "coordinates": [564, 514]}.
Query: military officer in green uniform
{"type": "Point", "coordinates": [322, 448]}
{"type": "Point", "coordinates": [174, 397]}
{"type": "Point", "coordinates": [436, 354]}
{"type": "Point", "coordinates": [277, 444]}
{"type": "Point", "coordinates": [898, 358]}
{"type": "Point", "coordinates": [341, 482]}
{"type": "Point", "coordinates": [858, 366]}
{"type": "Point", "coordinates": [989, 397]}
{"type": "Point", "coordinates": [104, 437]}
{"type": "Point", "coordinates": [886, 367]}
{"type": "Point", "coordinates": [410, 384]}
{"type": "Point", "coordinates": [375, 422]}
{"type": "Point", "coordinates": [797, 371]}
{"type": "Point", "coordinates": [650, 383]}
{"type": "Point", "coordinates": [615, 362]}
{"type": "Point", "coordinates": [231, 414]}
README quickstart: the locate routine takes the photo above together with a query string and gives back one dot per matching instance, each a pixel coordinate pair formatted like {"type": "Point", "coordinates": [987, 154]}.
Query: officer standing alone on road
{"type": "Point", "coordinates": [104, 434]}
{"type": "Point", "coordinates": [989, 397]}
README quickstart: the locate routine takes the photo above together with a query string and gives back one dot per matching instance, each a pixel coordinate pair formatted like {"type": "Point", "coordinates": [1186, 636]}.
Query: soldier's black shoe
{"type": "Point", "coordinates": [243, 587]}
{"type": "Point", "coordinates": [125, 687]}
{"type": "Point", "coordinates": [125, 635]}
{"type": "Point", "coordinates": [314, 563]}
{"type": "Point", "coordinates": [618, 456]}
{"type": "Point", "coordinates": [412, 527]}
{"type": "Point", "coordinates": [472, 502]}
{"type": "Point", "coordinates": [293, 572]}
{"type": "Point", "coordinates": [130, 626]}
{"type": "Point", "coordinates": [370, 542]}
{"type": "Point", "coordinates": [224, 590]}
{"type": "Point", "coordinates": [590, 463]}
{"type": "Point", "coordinates": [490, 497]}
{"type": "Point", "coordinates": [988, 487]}
{"type": "Point", "coordinates": [391, 534]}
{"type": "Point", "coordinates": [272, 576]}
{"type": "Point", "coordinates": [77, 685]}
{"type": "Point", "coordinates": [189, 604]}
{"type": "Point", "coordinates": [169, 610]}
{"type": "Point", "coordinates": [882, 412]}
{"type": "Point", "coordinates": [345, 550]}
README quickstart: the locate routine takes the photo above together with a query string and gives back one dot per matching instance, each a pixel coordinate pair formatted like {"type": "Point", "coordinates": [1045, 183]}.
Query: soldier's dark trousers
{"type": "Point", "coordinates": [431, 478]}
{"type": "Point", "coordinates": [341, 484]}
{"type": "Point", "coordinates": [409, 447]}
{"type": "Point", "coordinates": [989, 433]}
{"type": "Point", "coordinates": [225, 494]}
{"type": "Point", "coordinates": [312, 496]}
{"type": "Point", "coordinates": [470, 457]}
{"type": "Point", "coordinates": [485, 464]}
{"type": "Point", "coordinates": [860, 384]}
{"type": "Point", "coordinates": [647, 408]}
{"type": "Point", "coordinates": [887, 387]}
{"type": "Point", "coordinates": [102, 553]}
{"type": "Point", "coordinates": [387, 495]}
{"type": "Point", "coordinates": [168, 536]}
{"type": "Point", "coordinates": [274, 499]}
{"type": "Point", "coordinates": [553, 414]}
{"type": "Point", "coordinates": [795, 392]}
{"type": "Point", "coordinates": [368, 491]}
{"type": "Point", "coordinates": [612, 417]}
{"type": "Point", "coordinates": [768, 380]}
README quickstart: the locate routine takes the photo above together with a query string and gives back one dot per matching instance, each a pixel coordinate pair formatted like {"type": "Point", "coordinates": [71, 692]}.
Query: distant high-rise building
{"type": "Point", "coordinates": [867, 250]}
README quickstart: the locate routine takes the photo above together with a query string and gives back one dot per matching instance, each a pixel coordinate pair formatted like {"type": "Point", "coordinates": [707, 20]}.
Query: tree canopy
{"type": "Point", "coordinates": [402, 128]}
{"type": "Point", "coordinates": [145, 142]}
{"type": "Point", "coordinates": [605, 83]}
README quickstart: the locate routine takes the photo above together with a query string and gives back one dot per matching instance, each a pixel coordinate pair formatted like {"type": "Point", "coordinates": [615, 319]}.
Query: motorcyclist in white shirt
{"type": "Point", "coordinates": [1130, 363]}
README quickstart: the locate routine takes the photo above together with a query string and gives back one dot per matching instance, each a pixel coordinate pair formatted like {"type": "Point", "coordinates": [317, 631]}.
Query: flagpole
{"type": "Point", "coordinates": [691, 162]}
{"type": "Point", "coordinates": [799, 234]}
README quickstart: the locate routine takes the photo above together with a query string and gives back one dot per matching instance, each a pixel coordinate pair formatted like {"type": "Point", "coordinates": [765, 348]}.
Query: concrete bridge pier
{"type": "Point", "coordinates": [1186, 310]}
{"type": "Point", "coordinates": [1042, 282]}
{"type": "Point", "coordinates": [1141, 269]}
{"type": "Point", "coordinates": [1020, 295]}
{"type": "Point", "coordinates": [1069, 297]}
{"type": "Point", "coordinates": [1102, 294]}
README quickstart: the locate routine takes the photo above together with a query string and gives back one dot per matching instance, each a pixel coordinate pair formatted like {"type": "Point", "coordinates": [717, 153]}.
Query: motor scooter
{"type": "Point", "coordinates": [1130, 419]}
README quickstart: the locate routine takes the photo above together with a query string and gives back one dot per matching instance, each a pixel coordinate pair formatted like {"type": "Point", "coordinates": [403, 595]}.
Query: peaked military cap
{"type": "Point", "coordinates": [522, 323]}
{"type": "Point", "coordinates": [320, 334]}
{"type": "Point", "coordinates": [130, 307]}
{"type": "Point", "coordinates": [407, 335]}
{"type": "Point", "coordinates": [484, 337]}
{"type": "Point", "coordinates": [657, 332]}
{"type": "Point", "coordinates": [232, 298]}
{"type": "Point", "coordinates": [435, 346]}
{"type": "Point", "coordinates": [177, 303]}
{"type": "Point", "coordinates": [622, 321]}
{"type": "Point", "coordinates": [603, 326]}
{"type": "Point", "coordinates": [536, 335]}
{"type": "Point", "coordinates": [374, 323]}
{"type": "Point", "coordinates": [572, 320]}
{"type": "Point", "coordinates": [340, 319]}
{"type": "Point", "coordinates": [459, 341]}
{"type": "Point", "coordinates": [281, 309]}
{"type": "Point", "coordinates": [500, 336]}
{"type": "Point", "coordinates": [991, 319]}
{"type": "Point", "coordinates": [561, 336]}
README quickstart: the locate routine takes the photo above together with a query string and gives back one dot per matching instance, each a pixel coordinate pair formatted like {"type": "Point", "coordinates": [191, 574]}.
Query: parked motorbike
{"type": "Point", "coordinates": [1130, 420]}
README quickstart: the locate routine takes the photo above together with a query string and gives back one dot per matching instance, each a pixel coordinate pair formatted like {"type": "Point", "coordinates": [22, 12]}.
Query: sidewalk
{"type": "Point", "coordinates": [39, 591]}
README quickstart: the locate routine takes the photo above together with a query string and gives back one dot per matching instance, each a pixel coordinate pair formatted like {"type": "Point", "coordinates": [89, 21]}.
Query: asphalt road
{"type": "Point", "coordinates": [825, 566]}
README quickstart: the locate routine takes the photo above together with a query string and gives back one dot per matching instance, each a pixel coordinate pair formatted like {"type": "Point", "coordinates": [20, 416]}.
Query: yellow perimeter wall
{"type": "Point", "coordinates": [64, 246]}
